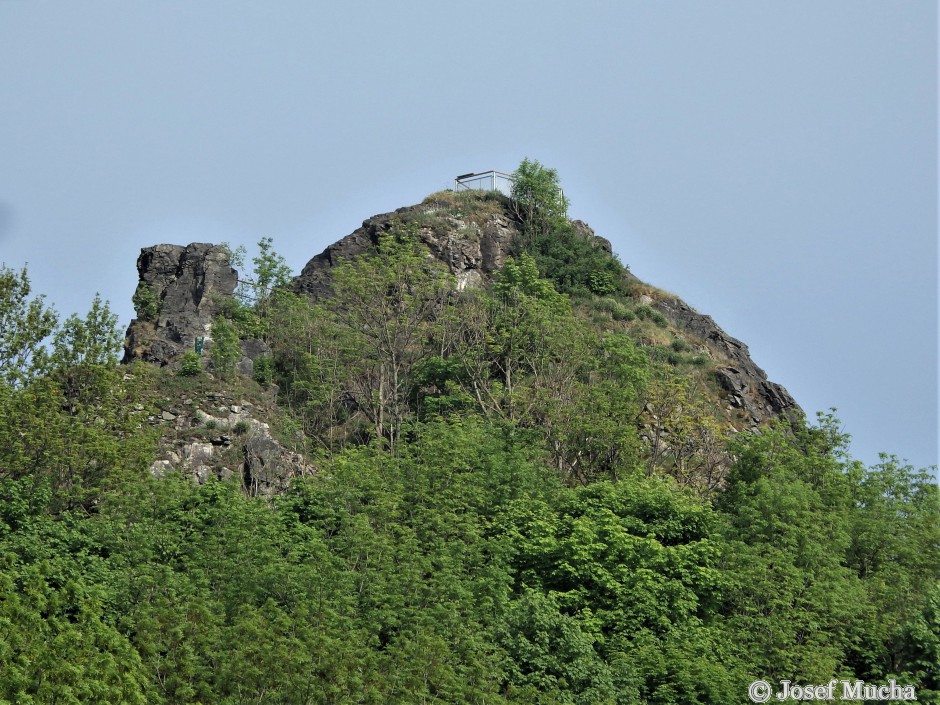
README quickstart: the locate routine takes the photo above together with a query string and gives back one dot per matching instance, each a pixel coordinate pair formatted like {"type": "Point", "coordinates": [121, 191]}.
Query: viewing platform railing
{"type": "Point", "coordinates": [485, 181]}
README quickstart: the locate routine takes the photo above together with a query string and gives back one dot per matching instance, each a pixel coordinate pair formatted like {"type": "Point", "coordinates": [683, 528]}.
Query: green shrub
{"type": "Point", "coordinates": [575, 264]}
{"type": "Point", "coordinates": [622, 313]}
{"type": "Point", "coordinates": [145, 302]}
{"type": "Point", "coordinates": [225, 348]}
{"type": "Point", "coordinates": [190, 364]}
{"type": "Point", "coordinates": [241, 427]}
{"type": "Point", "coordinates": [601, 283]}
{"type": "Point", "coordinates": [645, 313]}
{"type": "Point", "coordinates": [264, 370]}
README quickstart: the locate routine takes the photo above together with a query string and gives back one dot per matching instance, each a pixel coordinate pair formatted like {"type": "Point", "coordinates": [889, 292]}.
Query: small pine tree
{"type": "Point", "coordinates": [264, 370]}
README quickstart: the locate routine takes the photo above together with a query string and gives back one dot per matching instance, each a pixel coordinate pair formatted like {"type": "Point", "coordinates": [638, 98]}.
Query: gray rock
{"type": "Point", "coordinates": [470, 258]}
{"type": "Point", "coordinates": [269, 467]}
{"type": "Point", "coordinates": [189, 284]}
{"type": "Point", "coordinates": [196, 454]}
{"type": "Point", "coordinates": [587, 232]}
{"type": "Point", "coordinates": [746, 384]}
{"type": "Point", "coordinates": [160, 468]}
{"type": "Point", "coordinates": [252, 349]}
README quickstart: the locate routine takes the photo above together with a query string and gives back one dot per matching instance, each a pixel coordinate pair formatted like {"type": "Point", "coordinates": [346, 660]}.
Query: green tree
{"type": "Point", "coordinates": [225, 351]}
{"type": "Point", "coordinates": [894, 524]}
{"type": "Point", "coordinates": [145, 301]}
{"type": "Point", "coordinates": [796, 608]}
{"type": "Point", "coordinates": [190, 364]}
{"type": "Point", "coordinates": [309, 351]}
{"type": "Point", "coordinates": [686, 440]}
{"type": "Point", "coordinates": [537, 198]}
{"type": "Point", "coordinates": [585, 428]}
{"type": "Point", "coordinates": [251, 308]}
{"type": "Point", "coordinates": [24, 323]}
{"type": "Point", "coordinates": [270, 272]}
{"type": "Point", "coordinates": [92, 340]}
{"type": "Point", "coordinates": [517, 344]}
{"type": "Point", "coordinates": [263, 370]}
{"type": "Point", "coordinates": [388, 304]}
{"type": "Point", "coordinates": [75, 429]}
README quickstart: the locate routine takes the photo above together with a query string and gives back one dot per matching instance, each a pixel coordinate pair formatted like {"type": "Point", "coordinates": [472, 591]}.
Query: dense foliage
{"type": "Point", "coordinates": [486, 525]}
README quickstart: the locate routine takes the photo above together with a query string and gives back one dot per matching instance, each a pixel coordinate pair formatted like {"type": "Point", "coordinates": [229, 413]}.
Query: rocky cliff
{"type": "Point", "coordinates": [205, 433]}
{"type": "Point", "coordinates": [472, 248]}
{"type": "Point", "coordinates": [189, 283]}
{"type": "Point", "coordinates": [179, 293]}
{"type": "Point", "coordinates": [745, 384]}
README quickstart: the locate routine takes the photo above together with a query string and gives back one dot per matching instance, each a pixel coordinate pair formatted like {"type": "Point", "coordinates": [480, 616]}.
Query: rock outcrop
{"type": "Point", "coordinates": [211, 437]}
{"type": "Point", "coordinates": [186, 287]}
{"type": "Point", "coordinates": [179, 293]}
{"type": "Point", "coordinates": [471, 251]}
{"type": "Point", "coordinates": [745, 383]}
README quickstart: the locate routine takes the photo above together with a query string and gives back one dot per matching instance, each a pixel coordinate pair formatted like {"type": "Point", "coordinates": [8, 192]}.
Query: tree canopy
{"type": "Point", "coordinates": [486, 524]}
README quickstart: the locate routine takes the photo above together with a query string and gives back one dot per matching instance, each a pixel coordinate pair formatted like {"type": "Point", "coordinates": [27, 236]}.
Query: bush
{"type": "Point", "coordinates": [622, 313]}
{"type": "Point", "coordinates": [145, 302]}
{"type": "Point", "coordinates": [225, 348]}
{"type": "Point", "coordinates": [645, 313]}
{"type": "Point", "coordinates": [241, 427]}
{"type": "Point", "coordinates": [264, 370]}
{"type": "Point", "coordinates": [601, 283]}
{"type": "Point", "coordinates": [575, 264]}
{"type": "Point", "coordinates": [190, 364]}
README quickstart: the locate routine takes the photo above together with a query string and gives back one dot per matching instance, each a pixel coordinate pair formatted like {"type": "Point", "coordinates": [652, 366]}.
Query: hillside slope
{"type": "Point", "coordinates": [454, 461]}
{"type": "Point", "coordinates": [471, 235]}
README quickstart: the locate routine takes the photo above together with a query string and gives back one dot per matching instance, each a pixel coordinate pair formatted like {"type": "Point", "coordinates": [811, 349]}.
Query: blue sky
{"type": "Point", "coordinates": [774, 164]}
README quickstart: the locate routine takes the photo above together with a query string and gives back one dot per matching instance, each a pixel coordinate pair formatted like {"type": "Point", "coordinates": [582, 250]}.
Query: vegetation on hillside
{"type": "Point", "coordinates": [487, 524]}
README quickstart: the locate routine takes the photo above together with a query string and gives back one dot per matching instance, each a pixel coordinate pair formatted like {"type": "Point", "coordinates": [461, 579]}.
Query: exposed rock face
{"type": "Point", "coordinates": [746, 384]}
{"type": "Point", "coordinates": [471, 252]}
{"type": "Point", "coordinates": [188, 284]}
{"type": "Point", "coordinates": [239, 445]}
{"type": "Point", "coordinates": [587, 232]}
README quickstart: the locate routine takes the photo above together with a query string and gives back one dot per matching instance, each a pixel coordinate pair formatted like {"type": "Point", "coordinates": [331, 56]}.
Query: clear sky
{"type": "Point", "coordinates": [773, 163]}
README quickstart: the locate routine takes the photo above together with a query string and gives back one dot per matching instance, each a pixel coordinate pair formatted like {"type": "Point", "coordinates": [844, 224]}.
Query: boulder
{"type": "Point", "coordinates": [268, 466]}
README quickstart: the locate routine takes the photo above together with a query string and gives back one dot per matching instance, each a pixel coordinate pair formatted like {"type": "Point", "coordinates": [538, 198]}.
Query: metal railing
{"type": "Point", "coordinates": [485, 181]}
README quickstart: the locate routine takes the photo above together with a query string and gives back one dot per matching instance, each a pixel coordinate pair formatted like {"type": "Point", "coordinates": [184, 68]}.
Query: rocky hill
{"type": "Point", "coordinates": [454, 461]}
{"type": "Point", "coordinates": [185, 288]}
